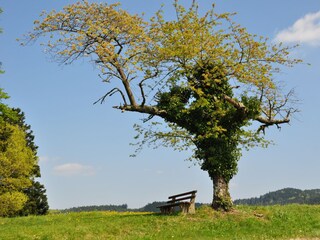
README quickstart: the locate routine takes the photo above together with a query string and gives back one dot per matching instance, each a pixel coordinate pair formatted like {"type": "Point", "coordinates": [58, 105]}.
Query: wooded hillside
{"type": "Point", "coordinates": [284, 196]}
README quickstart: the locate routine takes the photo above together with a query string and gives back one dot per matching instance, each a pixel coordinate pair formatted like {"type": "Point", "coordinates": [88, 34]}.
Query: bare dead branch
{"type": "Point", "coordinates": [110, 93]}
{"type": "Point", "coordinates": [141, 83]}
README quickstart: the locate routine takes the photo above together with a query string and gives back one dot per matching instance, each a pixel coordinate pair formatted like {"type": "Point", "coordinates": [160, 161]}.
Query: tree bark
{"type": "Point", "coordinates": [221, 196]}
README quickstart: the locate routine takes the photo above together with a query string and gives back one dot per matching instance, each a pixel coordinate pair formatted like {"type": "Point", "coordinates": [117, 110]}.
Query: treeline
{"type": "Point", "coordinates": [284, 196]}
{"type": "Point", "coordinates": [118, 208]}
{"type": "Point", "coordinates": [150, 207]}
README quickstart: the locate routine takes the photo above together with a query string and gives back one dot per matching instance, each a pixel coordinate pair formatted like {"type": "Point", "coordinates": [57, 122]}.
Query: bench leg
{"type": "Point", "coordinates": [167, 210]}
{"type": "Point", "coordinates": [184, 207]}
{"type": "Point", "coordinates": [192, 209]}
{"type": "Point", "coordinates": [187, 208]}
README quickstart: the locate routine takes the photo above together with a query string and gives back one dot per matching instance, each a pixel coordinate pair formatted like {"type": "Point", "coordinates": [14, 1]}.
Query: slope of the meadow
{"type": "Point", "coordinates": [272, 222]}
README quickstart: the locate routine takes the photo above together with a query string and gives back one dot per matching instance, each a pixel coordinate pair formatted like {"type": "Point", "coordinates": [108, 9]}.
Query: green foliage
{"type": "Point", "coordinates": [6, 113]}
{"type": "Point", "coordinates": [37, 203]}
{"type": "Point", "coordinates": [17, 161]}
{"type": "Point", "coordinates": [19, 120]}
{"type": "Point", "coordinates": [199, 107]}
{"type": "Point", "coordinates": [17, 171]}
{"type": "Point", "coordinates": [16, 165]}
{"type": "Point", "coordinates": [11, 203]}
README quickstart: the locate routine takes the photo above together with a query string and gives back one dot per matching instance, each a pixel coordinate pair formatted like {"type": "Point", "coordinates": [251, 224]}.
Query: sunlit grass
{"type": "Point", "coordinates": [277, 222]}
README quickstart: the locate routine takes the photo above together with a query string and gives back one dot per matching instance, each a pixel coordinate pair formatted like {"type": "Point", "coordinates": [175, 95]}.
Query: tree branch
{"type": "Point", "coordinates": [238, 105]}
{"type": "Point", "coordinates": [126, 86]}
{"type": "Point", "coordinates": [141, 86]}
{"type": "Point", "coordinates": [269, 121]}
{"type": "Point", "coordinates": [142, 109]}
{"type": "Point", "coordinates": [109, 94]}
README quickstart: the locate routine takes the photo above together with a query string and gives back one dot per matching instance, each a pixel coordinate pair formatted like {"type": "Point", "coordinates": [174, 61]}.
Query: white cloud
{"type": "Point", "coordinates": [73, 169]}
{"type": "Point", "coordinates": [304, 30]}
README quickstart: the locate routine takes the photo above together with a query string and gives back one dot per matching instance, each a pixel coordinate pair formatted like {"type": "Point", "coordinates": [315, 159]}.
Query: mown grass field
{"type": "Point", "coordinates": [276, 222]}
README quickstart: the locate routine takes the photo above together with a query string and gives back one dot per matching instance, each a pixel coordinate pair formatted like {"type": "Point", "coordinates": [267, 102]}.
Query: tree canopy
{"type": "Point", "coordinates": [20, 193]}
{"type": "Point", "coordinates": [204, 75]}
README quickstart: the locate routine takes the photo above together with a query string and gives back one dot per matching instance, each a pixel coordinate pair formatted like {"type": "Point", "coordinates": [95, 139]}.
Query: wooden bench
{"type": "Point", "coordinates": [179, 200]}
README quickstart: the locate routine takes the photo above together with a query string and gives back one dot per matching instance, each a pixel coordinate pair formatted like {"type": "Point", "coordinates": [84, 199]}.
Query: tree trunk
{"type": "Point", "coordinates": [221, 196]}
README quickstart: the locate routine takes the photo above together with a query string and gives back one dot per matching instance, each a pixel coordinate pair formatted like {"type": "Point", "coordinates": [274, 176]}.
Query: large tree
{"type": "Point", "coordinates": [16, 162]}
{"type": "Point", "coordinates": [20, 193]}
{"type": "Point", "coordinates": [205, 77]}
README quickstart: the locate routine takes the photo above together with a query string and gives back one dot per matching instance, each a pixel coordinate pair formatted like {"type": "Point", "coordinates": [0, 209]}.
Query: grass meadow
{"type": "Point", "coordinates": [272, 222]}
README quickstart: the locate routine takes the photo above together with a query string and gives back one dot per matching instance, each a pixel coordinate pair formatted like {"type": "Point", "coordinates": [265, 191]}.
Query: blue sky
{"type": "Point", "coordinates": [84, 148]}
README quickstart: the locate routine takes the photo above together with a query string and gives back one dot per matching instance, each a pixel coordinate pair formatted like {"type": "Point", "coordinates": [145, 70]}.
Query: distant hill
{"type": "Point", "coordinates": [284, 196]}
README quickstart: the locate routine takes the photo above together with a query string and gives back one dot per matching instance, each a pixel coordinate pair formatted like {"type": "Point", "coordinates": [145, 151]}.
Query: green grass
{"type": "Point", "coordinates": [276, 222]}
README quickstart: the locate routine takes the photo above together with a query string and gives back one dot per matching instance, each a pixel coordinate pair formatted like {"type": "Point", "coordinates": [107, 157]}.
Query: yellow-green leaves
{"type": "Point", "coordinates": [11, 202]}
{"type": "Point", "coordinates": [16, 165]}
{"type": "Point", "coordinates": [106, 32]}
{"type": "Point", "coordinates": [16, 159]}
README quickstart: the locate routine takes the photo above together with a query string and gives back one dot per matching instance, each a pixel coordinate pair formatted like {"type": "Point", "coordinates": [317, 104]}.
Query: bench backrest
{"type": "Point", "coordinates": [183, 196]}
